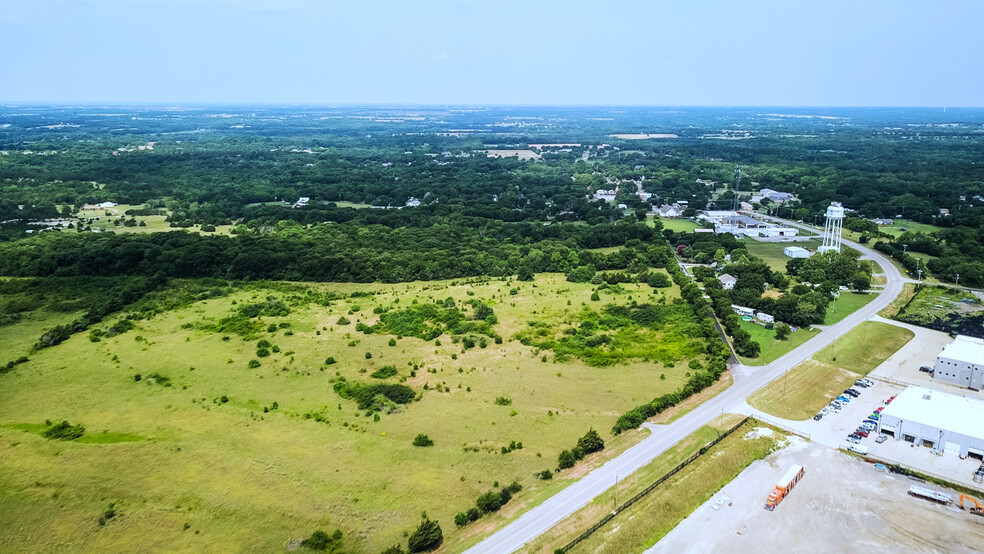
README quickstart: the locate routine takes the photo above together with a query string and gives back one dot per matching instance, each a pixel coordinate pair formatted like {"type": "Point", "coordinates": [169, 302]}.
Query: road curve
{"type": "Point", "coordinates": [747, 379]}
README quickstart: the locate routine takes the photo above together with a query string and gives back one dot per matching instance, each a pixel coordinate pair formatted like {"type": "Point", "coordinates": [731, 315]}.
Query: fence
{"type": "Point", "coordinates": [649, 489]}
{"type": "Point", "coordinates": [923, 474]}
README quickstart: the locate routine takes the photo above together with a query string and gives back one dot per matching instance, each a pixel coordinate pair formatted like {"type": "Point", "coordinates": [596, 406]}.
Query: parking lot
{"type": "Point", "coordinates": [841, 505]}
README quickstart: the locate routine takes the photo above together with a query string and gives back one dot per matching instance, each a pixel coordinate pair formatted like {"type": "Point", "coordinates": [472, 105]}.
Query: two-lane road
{"type": "Point", "coordinates": [748, 379]}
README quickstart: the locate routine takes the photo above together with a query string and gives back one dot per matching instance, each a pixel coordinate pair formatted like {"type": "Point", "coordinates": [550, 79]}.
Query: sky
{"type": "Point", "coordinates": [634, 52]}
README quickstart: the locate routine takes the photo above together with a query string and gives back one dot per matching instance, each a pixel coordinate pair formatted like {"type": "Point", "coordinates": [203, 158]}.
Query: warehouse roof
{"type": "Point", "coordinates": [957, 414]}
{"type": "Point", "coordinates": [965, 349]}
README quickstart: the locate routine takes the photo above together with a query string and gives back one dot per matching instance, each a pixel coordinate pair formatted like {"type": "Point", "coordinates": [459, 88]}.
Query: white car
{"type": "Point", "coordinates": [881, 439]}
{"type": "Point", "coordinates": [868, 382]}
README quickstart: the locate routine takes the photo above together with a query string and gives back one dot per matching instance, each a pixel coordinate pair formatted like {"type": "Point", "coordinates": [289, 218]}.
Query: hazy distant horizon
{"type": "Point", "coordinates": [711, 53]}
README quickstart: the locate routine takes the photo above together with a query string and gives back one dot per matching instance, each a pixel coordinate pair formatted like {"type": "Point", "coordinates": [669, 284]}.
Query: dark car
{"type": "Point", "coordinates": [926, 369]}
{"type": "Point", "coordinates": [817, 417]}
{"type": "Point", "coordinates": [853, 393]}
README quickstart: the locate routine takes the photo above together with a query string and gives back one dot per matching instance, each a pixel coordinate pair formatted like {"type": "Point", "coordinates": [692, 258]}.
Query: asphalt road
{"type": "Point", "coordinates": [747, 379]}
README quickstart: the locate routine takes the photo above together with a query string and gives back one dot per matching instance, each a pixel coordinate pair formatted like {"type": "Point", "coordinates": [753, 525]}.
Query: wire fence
{"type": "Point", "coordinates": [611, 515]}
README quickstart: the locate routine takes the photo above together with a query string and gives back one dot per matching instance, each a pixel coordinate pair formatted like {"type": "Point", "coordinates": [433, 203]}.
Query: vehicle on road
{"type": "Point", "coordinates": [881, 439]}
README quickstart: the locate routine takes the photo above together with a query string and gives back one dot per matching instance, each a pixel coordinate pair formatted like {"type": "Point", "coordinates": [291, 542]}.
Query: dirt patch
{"type": "Point", "coordinates": [841, 505]}
{"type": "Point", "coordinates": [521, 154]}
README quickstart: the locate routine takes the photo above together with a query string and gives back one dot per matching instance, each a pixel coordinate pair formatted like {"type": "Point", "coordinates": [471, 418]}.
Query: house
{"type": "Point", "coordinates": [413, 202]}
{"type": "Point", "coordinates": [727, 281]}
{"type": "Point", "coordinates": [108, 205]}
{"type": "Point", "coordinates": [301, 202]}
{"type": "Point", "coordinates": [944, 211]}
{"type": "Point", "coordinates": [669, 212]}
{"type": "Point", "coordinates": [606, 195]}
{"type": "Point", "coordinates": [776, 196]}
{"type": "Point", "coordinates": [765, 318]}
{"type": "Point", "coordinates": [881, 222]}
{"type": "Point", "coordinates": [743, 311]}
{"type": "Point", "coordinates": [796, 252]}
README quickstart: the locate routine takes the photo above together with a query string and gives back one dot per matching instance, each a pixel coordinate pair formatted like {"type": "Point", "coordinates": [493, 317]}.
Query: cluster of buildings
{"type": "Point", "coordinates": [100, 206]}
{"type": "Point", "coordinates": [741, 225]}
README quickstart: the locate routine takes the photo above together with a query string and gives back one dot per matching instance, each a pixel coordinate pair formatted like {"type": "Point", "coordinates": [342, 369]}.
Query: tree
{"type": "Point", "coordinates": [422, 440]}
{"type": "Point", "coordinates": [658, 280]}
{"type": "Point", "coordinates": [861, 282]}
{"type": "Point", "coordinates": [782, 331]}
{"type": "Point", "coordinates": [566, 459]}
{"type": "Point", "coordinates": [525, 273]}
{"type": "Point", "coordinates": [323, 542]}
{"type": "Point", "coordinates": [428, 536]}
{"type": "Point", "coordinates": [489, 502]}
{"type": "Point", "coordinates": [591, 442]}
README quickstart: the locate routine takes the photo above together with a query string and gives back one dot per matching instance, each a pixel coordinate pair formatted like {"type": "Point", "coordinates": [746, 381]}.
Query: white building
{"type": "Point", "coordinates": [962, 363]}
{"type": "Point", "coordinates": [669, 212]}
{"type": "Point", "coordinates": [413, 202]}
{"type": "Point", "coordinates": [743, 311]}
{"type": "Point", "coordinates": [796, 252]}
{"type": "Point", "coordinates": [727, 281]}
{"type": "Point", "coordinates": [946, 423]}
{"type": "Point", "coordinates": [765, 318]}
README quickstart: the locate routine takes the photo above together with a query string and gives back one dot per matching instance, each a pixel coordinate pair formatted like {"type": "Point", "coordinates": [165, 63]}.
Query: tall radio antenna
{"type": "Point", "coordinates": [736, 203]}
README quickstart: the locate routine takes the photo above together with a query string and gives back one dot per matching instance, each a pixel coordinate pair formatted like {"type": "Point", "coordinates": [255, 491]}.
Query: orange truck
{"type": "Point", "coordinates": [785, 485]}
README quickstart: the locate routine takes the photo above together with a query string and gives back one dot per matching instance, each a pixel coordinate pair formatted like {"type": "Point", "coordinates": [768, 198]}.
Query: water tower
{"type": "Point", "coordinates": [832, 228]}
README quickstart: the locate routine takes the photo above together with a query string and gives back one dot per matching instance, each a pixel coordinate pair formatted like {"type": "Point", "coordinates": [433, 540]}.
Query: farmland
{"type": "Point", "coordinates": [217, 424]}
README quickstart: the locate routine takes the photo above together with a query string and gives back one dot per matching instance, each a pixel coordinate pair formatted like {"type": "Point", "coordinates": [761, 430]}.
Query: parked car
{"type": "Point", "coordinates": [861, 432]}
{"type": "Point", "coordinates": [890, 398]}
{"type": "Point", "coordinates": [867, 381]}
{"type": "Point", "coordinates": [818, 417]}
{"type": "Point", "coordinates": [853, 438]}
{"type": "Point", "coordinates": [861, 383]}
{"type": "Point", "coordinates": [844, 399]}
{"type": "Point", "coordinates": [881, 439]}
{"type": "Point", "coordinates": [870, 421]}
{"type": "Point", "coordinates": [875, 416]}
{"type": "Point", "coordinates": [852, 392]}
{"type": "Point", "coordinates": [926, 369]}
{"type": "Point", "coordinates": [879, 409]}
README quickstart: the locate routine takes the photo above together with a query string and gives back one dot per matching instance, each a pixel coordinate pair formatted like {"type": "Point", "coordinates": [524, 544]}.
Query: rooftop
{"type": "Point", "coordinates": [958, 414]}
{"type": "Point", "coordinates": [796, 249]}
{"type": "Point", "coordinates": [965, 349]}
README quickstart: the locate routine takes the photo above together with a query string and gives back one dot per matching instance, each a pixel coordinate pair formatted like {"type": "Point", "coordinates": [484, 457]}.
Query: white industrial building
{"type": "Point", "coordinates": [962, 363]}
{"type": "Point", "coordinates": [796, 252]}
{"type": "Point", "coordinates": [944, 422]}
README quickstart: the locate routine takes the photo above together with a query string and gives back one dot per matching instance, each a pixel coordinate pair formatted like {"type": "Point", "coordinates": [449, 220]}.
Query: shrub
{"type": "Point", "coordinates": [566, 459]}
{"type": "Point", "coordinates": [474, 514]}
{"type": "Point", "coordinates": [330, 360]}
{"type": "Point", "coordinates": [263, 344]}
{"type": "Point", "coordinates": [422, 440]}
{"type": "Point", "coordinates": [64, 432]}
{"type": "Point", "coordinates": [544, 475]}
{"type": "Point", "coordinates": [323, 542]}
{"type": "Point", "coordinates": [461, 519]}
{"type": "Point", "coordinates": [502, 401]}
{"type": "Point", "coordinates": [368, 355]}
{"type": "Point", "coordinates": [262, 352]}
{"type": "Point", "coordinates": [392, 342]}
{"type": "Point", "coordinates": [343, 321]}
{"type": "Point", "coordinates": [782, 331]}
{"type": "Point", "coordinates": [428, 536]}
{"type": "Point", "coordinates": [489, 502]}
{"type": "Point", "coordinates": [384, 372]}
{"type": "Point", "coordinates": [253, 364]}
{"type": "Point", "coordinates": [595, 297]}
{"type": "Point", "coordinates": [590, 442]}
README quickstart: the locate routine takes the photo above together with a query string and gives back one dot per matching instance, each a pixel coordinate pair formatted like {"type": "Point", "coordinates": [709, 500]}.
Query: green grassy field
{"type": "Point", "coordinates": [937, 302]}
{"type": "Point", "coordinates": [865, 347]}
{"type": "Point", "coordinates": [909, 226]}
{"type": "Point", "coordinates": [772, 252]}
{"type": "Point", "coordinates": [773, 349]}
{"type": "Point", "coordinates": [802, 391]}
{"type": "Point", "coordinates": [104, 218]}
{"type": "Point", "coordinates": [846, 304]}
{"type": "Point", "coordinates": [680, 225]}
{"type": "Point", "coordinates": [235, 458]}
{"type": "Point", "coordinates": [650, 519]}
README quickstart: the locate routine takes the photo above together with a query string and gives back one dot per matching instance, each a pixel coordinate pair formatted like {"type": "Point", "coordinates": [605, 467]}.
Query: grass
{"type": "Point", "coordinates": [648, 520]}
{"type": "Point", "coordinates": [846, 304]}
{"type": "Point", "coordinates": [932, 303]}
{"type": "Point", "coordinates": [773, 349]}
{"type": "Point", "coordinates": [892, 310]}
{"type": "Point", "coordinates": [153, 223]}
{"type": "Point", "coordinates": [772, 252]}
{"type": "Point", "coordinates": [232, 470]}
{"type": "Point", "coordinates": [865, 347]}
{"type": "Point", "coordinates": [802, 391]}
{"type": "Point", "coordinates": [909, 226]}
{"type": "Point", "coordinates": [679, 225]}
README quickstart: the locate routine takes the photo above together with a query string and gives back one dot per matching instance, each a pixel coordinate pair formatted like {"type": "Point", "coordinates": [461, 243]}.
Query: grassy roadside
{"type": "Point", "coordinates": [893, 309]}
{"type": "Point", "coordinates": [846, 304]}
{"type": "Point", "coordinates": [773, 349]}
{"type": "Point", "coordinates": [804, 390]}
{"type": "Point", "coordinates": [645, 522]}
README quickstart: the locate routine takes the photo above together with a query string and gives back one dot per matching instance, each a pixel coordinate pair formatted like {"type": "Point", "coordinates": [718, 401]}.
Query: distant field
{"type": "Point", "coordinates": [680, 225]}
{"type": "Point", "coordinates": [152, 223]}
{"type": "Point", "coordinates": [773, 349]}
{"type": "Point", "coordinates": [865, 347]}
{"type": "Point", "coordinates": [356, 205]}
{"type": "Point", "coordinates": [909, 226]}
{"type": "Point", "coordinates": [251, 458]}
{"type": "Point", "coordinates": [772, 252]}
{"type": "Point", "coordinates": [643, 136]}
{"type": "Point", "coordinates": [846, 304]}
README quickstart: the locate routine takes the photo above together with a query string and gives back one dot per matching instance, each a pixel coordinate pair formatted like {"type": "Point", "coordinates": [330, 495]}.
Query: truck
{"type": "Point", "coordinates": [930, 494]}
{"type": "Point", "coordinates": [784, 487]}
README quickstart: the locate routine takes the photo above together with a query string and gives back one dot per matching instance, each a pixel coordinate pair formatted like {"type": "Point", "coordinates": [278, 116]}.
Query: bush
{"type": "Point", "coordinates": [595, 297]}
{"type": "Point", "coordinates": [64, 432]}
{"type": "Point", "coordinates": [422, 440]}
{"type": "Point", "coordinates": [262, 352]}
{"type": "Point", "coordinates": [782, 331]}
{"type": "Point", "coordinates": [392, 342]}
{"type": "Point", "coordinates": [566, 459]}
{"type": "Point", "coordinates": [428, 536]}
{"type": "Point", "coordinates": [474, 514]}
{"type": "Point", "coordinates": [330, 360]}
{"type": "Point", "coordinates": [368, 355]}
{"type": "Point", "coordinates": [590, 442]}
{"type": "Point", "coordinates": [323, 542]}
{"type": "Point", "coordinates": [263, 344]}
{"type": "Point", "coordinates": [489, 502]}
{"type": "Point", "coordinates": [343, 321]}
{"type": "Point", "coordinates": [502, 401]}
{"type": "Point", "coordinates": [544, 475]}
{"type": "Point", "coordinates": [461, 519]}
{"type": "Point", "coordinates": [384, 372]}
{"type": "Point", "coordinates": [658, 280]}
{"type": "Point", "coordinates": [253, 364]}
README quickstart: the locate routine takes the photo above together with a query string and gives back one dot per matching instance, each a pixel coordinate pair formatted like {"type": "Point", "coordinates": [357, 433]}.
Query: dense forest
{"type": "Point", "coordinates": [409, 193]}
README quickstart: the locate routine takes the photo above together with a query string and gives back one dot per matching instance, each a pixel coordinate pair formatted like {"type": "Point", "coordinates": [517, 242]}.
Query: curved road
{"type": "Point", "coordinates": [747, 379]}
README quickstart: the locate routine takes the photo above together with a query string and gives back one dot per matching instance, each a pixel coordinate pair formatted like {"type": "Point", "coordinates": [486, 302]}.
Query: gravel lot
{"type": "Point", "coordinates": [841, 505]}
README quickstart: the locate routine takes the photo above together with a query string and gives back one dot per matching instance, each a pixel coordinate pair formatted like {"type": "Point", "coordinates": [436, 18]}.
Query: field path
{"type": "Point", "coordinates": [748, 379]}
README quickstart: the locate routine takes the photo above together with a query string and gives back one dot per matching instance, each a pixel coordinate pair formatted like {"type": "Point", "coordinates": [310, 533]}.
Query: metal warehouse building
{"type": "Point", "coordinates": [946, 423]}
{"type": "Point", "coordinates": [962, 363]}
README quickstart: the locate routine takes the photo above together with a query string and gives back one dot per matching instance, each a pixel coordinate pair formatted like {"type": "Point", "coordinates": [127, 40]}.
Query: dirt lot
{"type": "Point", "coordinates": [841, 505]}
